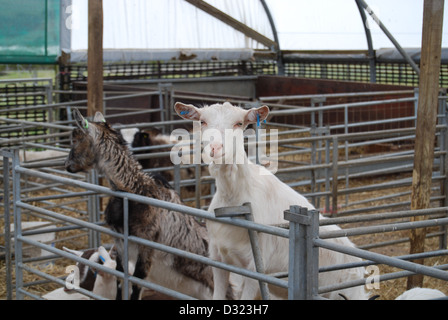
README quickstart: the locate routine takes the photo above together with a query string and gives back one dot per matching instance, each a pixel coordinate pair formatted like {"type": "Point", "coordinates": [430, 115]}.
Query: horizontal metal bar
{"type": "Point", "coordinates": [154, 245]}
{"type": "Point", "coordinates": [382, 259]}
{"type": "Point", "coordinates": [158, 203]}
{"type": "Point", "coordinates": [381, 216]}
{"type": "Point", "coordinates": [336, 95]}
{"type": "Point", "coordinates": [44, 275]}
{"type": "Point", "coordinates": [383, 228]}
{"type": "Point", "coordinates": [97, 266]}
{"type": "Point", "coordinates": [232, 211]}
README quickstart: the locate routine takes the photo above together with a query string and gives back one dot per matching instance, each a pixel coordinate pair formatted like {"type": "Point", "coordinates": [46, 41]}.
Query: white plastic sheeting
{"type": "Point", "coordinates": [168, 28]}
{"type": "Point", "coordinates": [337, 25]}
{"type": "Point", "coordinates": [172, 29]}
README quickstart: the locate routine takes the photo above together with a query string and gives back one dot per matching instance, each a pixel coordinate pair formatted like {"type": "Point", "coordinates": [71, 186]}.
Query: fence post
{"type": "Point", "coordinates": [7, 217]}
{"type": "Point", "coordinates": [426, 123]}
{"type": "Point", "coordinates": [335, 170]}
{"type": "Point", "coordinates": [303, 255]}
{"type": "Point", "coordinates": [17, 226]}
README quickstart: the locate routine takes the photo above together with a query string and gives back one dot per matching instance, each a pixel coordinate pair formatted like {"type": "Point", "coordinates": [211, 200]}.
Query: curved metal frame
{"type": "Point", "coordinates": [369, 42]}
{"type": "Point", "coordinates": [281, 67]}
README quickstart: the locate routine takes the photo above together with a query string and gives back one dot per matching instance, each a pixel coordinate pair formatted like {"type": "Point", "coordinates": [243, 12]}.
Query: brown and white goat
{"type": "Point", "coordinates": [97, 145]}
{"type": "Point", "coordinates": [100, 283]}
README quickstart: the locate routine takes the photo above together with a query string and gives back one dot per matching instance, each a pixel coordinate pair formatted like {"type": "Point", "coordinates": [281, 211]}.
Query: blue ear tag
{"type": "Point", "coordinates": [102, 259]}
{"type": "Point", "coordinates": [184, 112]}
{"type": "Point", "coordinates": [258, 120]}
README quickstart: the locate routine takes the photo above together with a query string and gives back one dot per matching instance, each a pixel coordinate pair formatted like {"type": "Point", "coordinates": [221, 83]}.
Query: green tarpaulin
{"type": "Point", "coordinates": [29, 31]}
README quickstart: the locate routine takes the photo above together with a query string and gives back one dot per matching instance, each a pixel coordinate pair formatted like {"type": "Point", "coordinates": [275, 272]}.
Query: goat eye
{"type": "Point", "coordinates": [238, 124]}
{"type": "Point", "coordinates": [203, 123]}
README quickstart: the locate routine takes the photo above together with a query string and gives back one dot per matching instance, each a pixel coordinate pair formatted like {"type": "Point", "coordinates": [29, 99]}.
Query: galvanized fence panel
{"type": "Point", "coordinates": [324, 168]}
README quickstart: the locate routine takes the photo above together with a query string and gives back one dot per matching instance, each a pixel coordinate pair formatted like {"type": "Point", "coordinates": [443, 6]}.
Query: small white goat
{"type": "Point", "coordinates": [247, 182]}
{"type": "Point", "coordinates": [420, 294]}
{"type": "Point", "coordinates": [99, 282]}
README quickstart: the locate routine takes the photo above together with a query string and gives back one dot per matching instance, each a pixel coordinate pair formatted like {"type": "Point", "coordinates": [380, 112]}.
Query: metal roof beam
{"type": "Point", "coordinates": [225, 18]}
{"type": "Point", "coordinates": [390, 36]}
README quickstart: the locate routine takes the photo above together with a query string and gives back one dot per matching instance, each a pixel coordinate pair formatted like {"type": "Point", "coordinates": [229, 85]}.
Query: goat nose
{"type": "Point", "coordinates": [215, 147]}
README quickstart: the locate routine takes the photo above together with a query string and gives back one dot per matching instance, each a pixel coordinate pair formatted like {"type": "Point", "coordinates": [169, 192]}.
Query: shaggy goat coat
{"type": "Point", "coordinates": [97, 145]}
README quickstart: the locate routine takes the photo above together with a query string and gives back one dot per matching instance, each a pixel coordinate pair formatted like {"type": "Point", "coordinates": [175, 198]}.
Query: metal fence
{"type": "Point", "coordinates": [299, 281]}
{"type": "Point", "coordinates": [308, 239]}
{"type": "Point", "coordinates": [354, 66]}
{"type": "Point", "coordinates": [17, 98]}
{"type": "Point", "coordinates": [323, 159]}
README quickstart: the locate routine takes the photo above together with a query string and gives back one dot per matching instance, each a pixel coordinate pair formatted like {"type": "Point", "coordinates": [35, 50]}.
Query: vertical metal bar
{"type": "Point", "coordinates": [257, 137]}
{"type": "Point", "coordinates": [176, 170]}
{"type": "Point", "coordinates": [93, 214]}
{"type": "Point", "coordinates": [17, 225]}
{"type": "Point", "coordinates": [347, 170]}
{"type": "Point", "coordinates": [46, 30]}
{"type": "Point", "coordinates": [313, 255]}
{"type": "Point", "coordinates": [6, 202]}
{"type": "Point", "coordinates": [444, 164]}
{"type": "Point", "coordinates": [125, 258]}
{"type": "Point", "coordinates": [161, 106]}
{"type": "Point", "coordinates": [372, 62]}
{"type": "Point", "coordinates": [303, 273]}
{"type": "Point", "coordinates": [335, 176]}
{"type": "Point", "coordinates": [165, 94]}
{"type": "Point", "coordinates": [296, 272]}
{"type": "Point", "coordinates": [259, 266]}
{"type": "Point", "coordinates": [280, 64]}
{"type": "Point", "coordinates": [320, 126]}
{"type": "Point", "coordinates": [313, 161]}
{"type": "Point", "coordinates": [170, 104]}
{"type": "Point", "coordinates": [327, 170]}
{"type": "Point", "coordinates": [416, 96]}
{"type": "Point", "coordinates": [197, 192]}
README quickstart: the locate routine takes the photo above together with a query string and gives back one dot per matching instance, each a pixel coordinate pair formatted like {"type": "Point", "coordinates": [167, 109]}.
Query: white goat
{"type": "Point", "coordinates": [101, 283]}
{"type": "Point", "coordinates": [420, 294]}
{"type": "Point", "coordinates": [28, 156]}
{"type": "Point", "coordinates": [239, 183]}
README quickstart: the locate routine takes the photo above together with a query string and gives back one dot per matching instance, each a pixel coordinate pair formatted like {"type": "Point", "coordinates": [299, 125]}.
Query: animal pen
{"type": "Point", "coordinates": [350, 152]}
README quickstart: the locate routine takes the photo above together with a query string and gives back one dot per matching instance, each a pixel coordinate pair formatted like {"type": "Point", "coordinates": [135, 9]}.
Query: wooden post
{"type": "Point", "coordinates": [426, 122]}
{"type": "Point", "coordinates": [95, 58]}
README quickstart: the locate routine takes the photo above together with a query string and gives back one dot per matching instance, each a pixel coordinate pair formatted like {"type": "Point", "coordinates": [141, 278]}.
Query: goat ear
{"type": "Point", "coordinates": [79, 120]}
{"type": "Point", "coordinates": [187, 111]}
{"type": "Point", "coordinates": [99, 117]}
{"type": "Point", "coordinates": [262, 112]}
{"type": "Point", "coordinates": [75, 252]}
{"type": "Point", "coordinates": [103, 253]}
